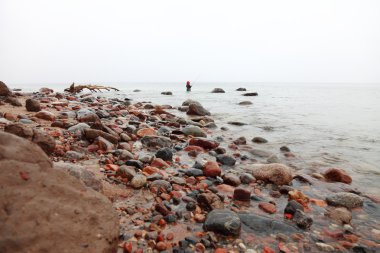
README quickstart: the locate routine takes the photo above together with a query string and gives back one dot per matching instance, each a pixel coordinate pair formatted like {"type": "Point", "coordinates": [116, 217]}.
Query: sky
{"type": "Point", "coordinates": [91, 41]}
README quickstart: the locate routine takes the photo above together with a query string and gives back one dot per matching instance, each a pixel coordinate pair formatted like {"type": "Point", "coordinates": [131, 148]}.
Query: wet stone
{"type": "Point", "coordinates": [223, 222]}
{"type": "Point", "coordinates": [345, 199]}
{"type": "Point", "coordinates": [259, 140]}
{"type": "Point", "coordinates": [209, 201]}
{"type": "Point", "coordinates": [242, 194]}
{"type": "Point", "coordinates": [302, 220]}
{"type": "Point", "coordinates": [231, 179]}
{"type": "Point", "coordinates": [292, 207]}
{"type": "Point", "coordinates": [226, 160]}
{"type": "Point", "coordinates": [165, 154]}
{"type": "Point", "coordinates": [135, 163]}
{"type": "Point", "coordinates": [246, 178]}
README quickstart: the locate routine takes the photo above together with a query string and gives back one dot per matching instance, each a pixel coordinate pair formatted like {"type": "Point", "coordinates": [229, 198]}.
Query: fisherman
{"type": "Point", "coordinates": [188, 86]}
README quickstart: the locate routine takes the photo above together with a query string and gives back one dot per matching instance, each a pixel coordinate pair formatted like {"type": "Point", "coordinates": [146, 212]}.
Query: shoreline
{"type": "Point", "coordinates": [164, 179]}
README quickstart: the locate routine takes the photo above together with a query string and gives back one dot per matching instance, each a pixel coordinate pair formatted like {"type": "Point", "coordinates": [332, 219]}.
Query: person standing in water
{"type": "Point", "coordinates": [188, 86]}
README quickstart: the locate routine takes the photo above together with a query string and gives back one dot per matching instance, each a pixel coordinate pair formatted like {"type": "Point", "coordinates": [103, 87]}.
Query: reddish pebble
{"type": "Point", "coordinates": [170, 236]}
{"type": "Point", "coordinates": [161, 246]}
{"type": "Point", "coordinates": [159, 163]}
{"type": "Point", "coordinates": [199, 247]}
{"type": "Point", "coordinates": [24, 175]}
{"type": "Point", "coordinates": [268, 207]}
{"type": "Point", "coordinates": [220, 250]}
{"type": "Point", "coordinates": [337, 175]}
{"type": "Point", "coordinates": [242, 194]}
{"type": "Point", "coordinates": [128, 247]}
{"type": "Point", "coordinates": [268, 250]}
{"type": "Point", "coordinates": [211, 169]}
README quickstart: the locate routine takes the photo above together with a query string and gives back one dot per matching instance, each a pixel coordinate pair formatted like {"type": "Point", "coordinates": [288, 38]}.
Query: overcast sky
{"type": "Point", "coordinates": [161, 40]}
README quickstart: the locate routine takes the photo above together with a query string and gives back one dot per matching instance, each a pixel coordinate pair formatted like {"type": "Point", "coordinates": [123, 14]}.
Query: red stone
{"type": "Point", "coordinates": [159, 163]}
{"type": "Point", "coordinates": [146, 131]}
{"type": "Point", "coordinates": [211, 169]}
{"type": "Point", "coordinates": [242, 194]}
{"type": "Point", "coordinates": [128, 247]}
{"type": "Point", "coordinates": [194, 148]}
{"type": "Point", "coordinates": [337, 175]}
{"type": "Point", "coordinates": [204, 143]}
{"type": "Point", "coordinates": [24, 175]}
{"type": "Point", "coordinates": [150, 170]}
{"type": "Point", "coordinates": [267, 207]}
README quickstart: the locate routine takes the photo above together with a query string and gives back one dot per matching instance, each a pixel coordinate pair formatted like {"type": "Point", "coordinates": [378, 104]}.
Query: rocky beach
{"type": "Point", "coordinates": [92, 172]}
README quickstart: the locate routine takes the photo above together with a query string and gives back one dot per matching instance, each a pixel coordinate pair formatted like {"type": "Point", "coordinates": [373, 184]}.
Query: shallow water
{"type": "Point", "coordinates": [325, 125]}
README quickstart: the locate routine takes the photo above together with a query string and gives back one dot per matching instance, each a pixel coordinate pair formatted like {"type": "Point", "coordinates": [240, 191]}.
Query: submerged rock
{"type": "Point", "coordinates": [226, 160]}
{"type": "Point", "coordinates": [241, 89]}
{"type": "Point", "coordinates": [276, 173]}
{"type": "Point", "coordinates": [194, 131]}
{"type": "Point", "coordinates": [339, 214]}
{"type": "Point", "coordinates": [204, 143]}
{"type": "Point", "coordinates": [245, 103]}
{"type": "Point", "coordinates": [167, 93]}
{"type": "Point", "coordinates": [259, 140]}
{"type": "Point", "coordinates": [337, 175]}
{"type": "Point", "coordinates": [209, 201]}
{"type": "Point", "coordinates": [197, 109]}
{"type": "Point", "coordinates": [345, 199]}
{"type": "Point", "coordinates": [223, 222]}
{"type": "Point", "coordinates": [253, 223]}
{"type": "Point", "coordinates": [250, 94]}
{"type": "Point", "coordinates": [302, 220]}
{"type": "Point", "coordinates": [218, 90]}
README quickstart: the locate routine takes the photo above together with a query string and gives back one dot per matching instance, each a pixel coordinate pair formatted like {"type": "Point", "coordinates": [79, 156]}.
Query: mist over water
{"type": "Point", "coordinates": [325, 125]}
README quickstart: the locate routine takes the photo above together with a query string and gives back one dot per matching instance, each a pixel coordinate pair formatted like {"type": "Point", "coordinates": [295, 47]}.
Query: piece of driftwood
{"type": "Point", "coordinates": [93, 88]}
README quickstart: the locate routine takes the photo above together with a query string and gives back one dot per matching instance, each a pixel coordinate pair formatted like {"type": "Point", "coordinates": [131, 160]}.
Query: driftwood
{"type": "Point", "coordinates": [93, 88]}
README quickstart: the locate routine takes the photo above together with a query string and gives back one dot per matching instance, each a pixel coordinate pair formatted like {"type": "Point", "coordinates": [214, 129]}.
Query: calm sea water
{"type": "Point", "coordinates": [325, 125]}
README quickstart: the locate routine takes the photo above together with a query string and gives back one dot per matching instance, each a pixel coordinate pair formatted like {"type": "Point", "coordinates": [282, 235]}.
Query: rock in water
{"type": "Point", "coordinates": [251, 94]}
{"type": "Point", "coordinates": [194, 131]}
{"type": "Point", "coordinates": [337, 175]}
{"type": "Point", "coordinates": [345, 199]}
{"type": "Point", "coordinates": [276, 173]}
{"type": "Point", "coordinates": [168, 93]}
{"type": "Point", "coordinates": [32, 105]}
{"type": "Point", "coordinates": [79, 219]}
{"type": "Point", "coordinates": [259, 140]}
{"type": "Point", "coordinates": [241, 89]}
{"type": "Point", "coordinates": [190, 101]}
{"type": "Point", "coordinates": [223, 222]}
{"type": "Point", "coordinates": [4, 90]}
{"type": "Point", "coordinates": [218, 90]}
{"type": "Point", "coordinates": [197, 109]}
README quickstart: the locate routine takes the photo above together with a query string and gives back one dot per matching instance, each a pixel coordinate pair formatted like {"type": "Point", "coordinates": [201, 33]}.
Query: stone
{"type": "Point", "coordinates": [284, 149]}
{"type": "Point", "coordinates": [32, 105]}
{"type": "Point", "coordinates": [19, 130]}
{"type": "Point", "coordinates": [13, 101]}
{"type": "Point", "coordinates": [259, 140]}
{"type": "Point", "coordinates": [80, 127]}
{"type": "Point", "coordinates": [268, 207]}
{"type": "Point", "coordinates": [190, 101]}
{"type": "Point", "coordinates": [250, 94]}
{"type": "Point", "coordinates": [126, 172]}
{"type": "Point", "coordinates": [211, 169]}
{"type": "Point", "coordinates": [86, 115]}
{"type": "Point", "coordinates": [260, 153]}
{"type": "Point", "coordinates": [245, 103]}
{"type": "Point", "coordinates": [45, 141]}
{"type": "Point", "coordinates": [159, 163]}
{"type": "Point", "coordinates": [161, 185]}
{"type": "Point", "coordinates": [73, 155]}
{"type": "Point", "coordinates": [302, 220]}
{"type": "Point", "coordinates": [337, 175]}
{"type": "Point", "coordinates": [104, 144]}
{"type": "Point", "coordinates": [226, 160]}
{"type": "Point", "coordinates": [241, 89]}
{"type": "Point", "coordinates": [257, 224]}
{"type": "Point", "coordinates": [4, 90]}
{"type": "Point", "coordinates": [237, 123]}
{"type": "Point", "coordinates": [339, 214]}
{"type": "Point", "coordinates": [247, 178]}
{"type": "Point", "coordinates": [242, 194]}
{"type": "Point", "coordinates": [345, 199]}
{"type": "Point", "coordinates": [92, 134]}
{"type": "Point", "coordinates": [209, 201]}
{"type": "Point", "coordinates": [223, 222]}
{"type": "Point", "coordinates": [87, 177]}
{"type": "Point", "coordinates": [204, 143]}
{"type": "Point", "coordinates": [192, 172]}
{"type": "Point", "coordinates": [135, 163]}
{"type": "Point", "coordinates": [197, 109]}
{"type": "Point", "coordinates": [275, 173]}
{"type": "Point", "coordinates": [194, 131]}
{"type": "Point", "coordinates": [240, 141]}
{"type": "Point", "coordinates": [34, 191]}
{"type": "Point", "coordinates": [168, 93]}
{"type": "Point", "coordinates": [324, 247]}
{"type": "Point", "coordinates": [218, 90]}
{"type": "Point", "coordinates": [156, 141]}
{"type": "Point", "coordinates": [292, 207]}
{"type": "Point", "coordinates": [165, 154]}
{"type": "Point", "coordinates": [146, 131]}
{"type": "Point", "coordinates": [231, 179]}
{"type": "Point", "coordinates": [138, 181]}
{"type": "Point", "coordinates": [45, 115]}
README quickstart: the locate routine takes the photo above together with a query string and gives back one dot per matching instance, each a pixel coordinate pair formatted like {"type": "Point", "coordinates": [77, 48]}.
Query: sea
{"type": "Point", "coordinates": [324, 124]}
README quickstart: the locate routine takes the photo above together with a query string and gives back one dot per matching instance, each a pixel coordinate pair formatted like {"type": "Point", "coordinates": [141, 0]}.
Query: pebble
{"type": "Point", "coordinates": [138, 181]}
{"type": "Point", "coordinates": [223, 221]}
{"type": "Point", "coordinates": [345, 199]}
